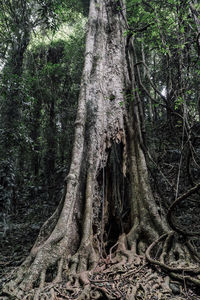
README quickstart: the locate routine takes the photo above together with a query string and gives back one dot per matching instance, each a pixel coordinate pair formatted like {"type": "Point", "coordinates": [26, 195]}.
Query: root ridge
{"type": "Point", "coordinates": [188, 271]}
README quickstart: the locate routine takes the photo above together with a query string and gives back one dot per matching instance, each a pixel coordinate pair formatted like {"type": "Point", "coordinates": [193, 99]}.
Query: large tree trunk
{"type": "Point", "coordinates": [108, 196]}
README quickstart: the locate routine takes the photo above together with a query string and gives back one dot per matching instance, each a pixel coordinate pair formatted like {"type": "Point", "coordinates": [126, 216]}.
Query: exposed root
{"type": "Point", "coordinates": [60, 269]}
{"type": "Point", "coordinates": [193, 251]}
{"type": "Point", "coordinates": [180, 272]}
{"type": "Point", "coordinates": [110, 280]}
{"type": "Point", "coordinates": [166, 247]}
{"type": "Point", "coordinates": [85, 258]}
{"type": "Point", "coordinates": [186, 278]}
{"type": "Point", "coordinates": [121, 275]}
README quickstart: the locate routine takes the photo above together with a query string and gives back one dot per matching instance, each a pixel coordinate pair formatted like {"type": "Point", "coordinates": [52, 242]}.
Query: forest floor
{"type": "Point", "coordinates": [137, 280]}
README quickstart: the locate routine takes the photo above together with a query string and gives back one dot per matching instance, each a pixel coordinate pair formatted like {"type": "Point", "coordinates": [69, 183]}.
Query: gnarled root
{"type": "Point", "coordinates": [32, 273]}
{"type": "Point", "coordinates": [85, 258]}
{"type": "Point", "coordinates": [176, 268]}
{"type": "Point", "coordinates": [121, 275]}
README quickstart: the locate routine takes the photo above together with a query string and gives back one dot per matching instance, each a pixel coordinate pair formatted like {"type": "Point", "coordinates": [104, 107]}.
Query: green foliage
{"type": "Point", "coordinates": [178, 102]}
{"type": "Point", "coordinates": [39, 84]}
{"type": "Point", "coordinates": [166, 31]}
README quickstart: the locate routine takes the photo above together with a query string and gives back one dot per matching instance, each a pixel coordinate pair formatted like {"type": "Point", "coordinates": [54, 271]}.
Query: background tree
{"type": "Point", "coordinates": [19, 20]}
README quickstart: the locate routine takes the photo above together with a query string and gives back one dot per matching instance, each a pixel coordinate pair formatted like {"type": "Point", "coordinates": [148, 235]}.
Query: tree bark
{"type": "Point", "coordinates": [108, 141]}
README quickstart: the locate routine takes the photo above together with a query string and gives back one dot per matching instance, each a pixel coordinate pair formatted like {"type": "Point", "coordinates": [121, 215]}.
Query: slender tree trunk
{"type": "Point", "coordinates": [50, 155]}
{"type": "Point", "coordinates": [108, 141]}
{"type": "Point", "coordinates": [34, 133]}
